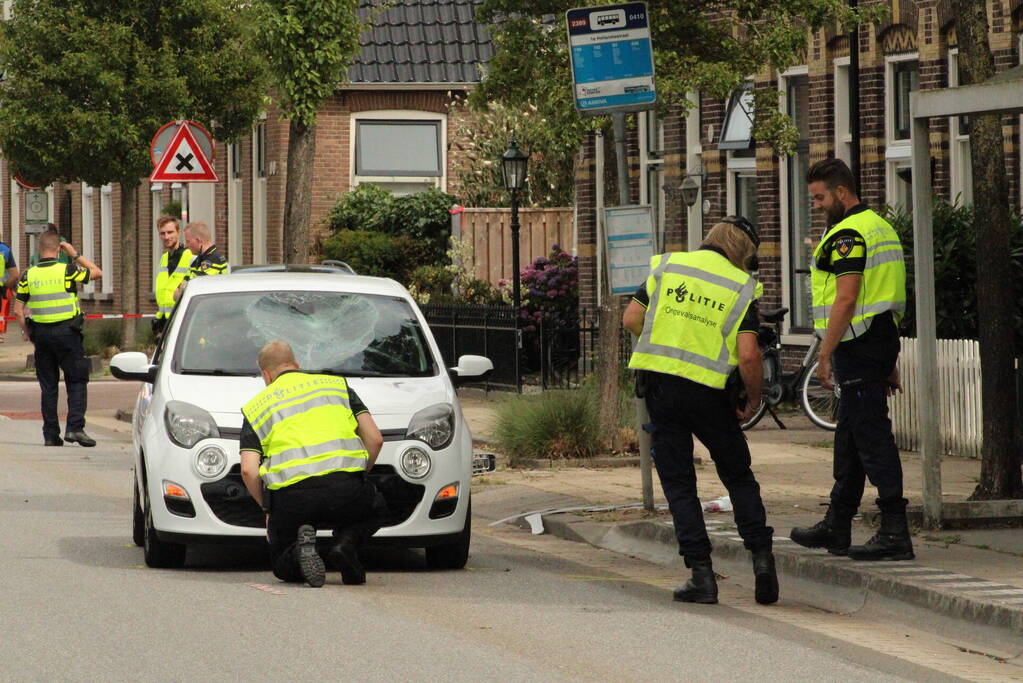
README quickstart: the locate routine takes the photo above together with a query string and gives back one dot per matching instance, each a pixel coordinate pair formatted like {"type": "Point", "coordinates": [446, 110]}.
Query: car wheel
{"type": "Point", "coordinates": [160, 554]}
{"type": "Point", "coordinates": [138, 519]}
{"type": "Point", "coordinates": [452, 555]}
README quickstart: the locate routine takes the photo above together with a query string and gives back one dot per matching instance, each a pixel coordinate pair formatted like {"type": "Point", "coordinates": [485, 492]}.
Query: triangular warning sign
{"type": "Point", "coordinates": [184, 162]}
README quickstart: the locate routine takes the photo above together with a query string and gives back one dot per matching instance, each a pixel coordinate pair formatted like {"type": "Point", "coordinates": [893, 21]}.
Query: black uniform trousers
{"type": "Point", "coordinates": [345, 502]}
{"type": "Point", "coordinates": [58, 346]}
{"type": "Point", "coordinates": [679, 410]}
{"type": "Point", "coordinates": [864, 444]}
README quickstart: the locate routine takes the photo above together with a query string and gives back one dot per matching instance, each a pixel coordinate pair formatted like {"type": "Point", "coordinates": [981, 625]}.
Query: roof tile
{"type": "Point", "coordinates": [421, 41]}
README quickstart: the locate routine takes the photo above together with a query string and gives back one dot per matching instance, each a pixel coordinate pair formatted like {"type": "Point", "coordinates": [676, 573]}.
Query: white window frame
{"type": "Point", "coordinates": [156, 201]}
{"type": "Point", "coordinates": [15, 242]}
{"type": "Point", "coordinates": [106, 231]}
{"type": "Point", "coordinates": [651, 164]}
{"type": "Point", "coordinates": [843, 133]}
{"type": "Point", "coordinates": [88, 230]}
{"type": "Point", "coordinates": [898, 152]}
{"type": "Point", "coordinates": [234, 204]}
{"type": "Point", "coordinates": [783, 207]}
{"type": "Point", "coordinates": [440, 182]}
{"type": "Point", "coordinates": [960, 173]}
{"type": "Point", "coordinates": [259, 176]}
{"type": "Point", "coordinates": [694, 166]}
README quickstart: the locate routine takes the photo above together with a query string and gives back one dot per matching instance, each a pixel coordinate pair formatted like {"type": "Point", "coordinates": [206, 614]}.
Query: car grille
{"type": "Point", "coordinates": [228, 499]}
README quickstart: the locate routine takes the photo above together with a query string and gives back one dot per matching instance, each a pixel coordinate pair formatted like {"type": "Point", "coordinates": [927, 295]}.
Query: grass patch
{"type": "Point", "coordinates": [101, 337]}
{"type": "Point", "coordinates": [554, 424]}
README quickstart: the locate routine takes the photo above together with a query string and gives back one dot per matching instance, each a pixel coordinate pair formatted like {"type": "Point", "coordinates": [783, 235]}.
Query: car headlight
{"type": "Point", "coordinates": [415, 462]}
{"type": "Point", "coordinates": [187, 424]}
{"type": "Point", "coordinates": [434, 426]}
{"type": "Point", "coordinates": [211, 461]}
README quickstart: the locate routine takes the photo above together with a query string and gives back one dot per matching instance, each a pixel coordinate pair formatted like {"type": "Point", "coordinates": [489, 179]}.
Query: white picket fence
{"type": "Point", "coordinates": [959, 404]}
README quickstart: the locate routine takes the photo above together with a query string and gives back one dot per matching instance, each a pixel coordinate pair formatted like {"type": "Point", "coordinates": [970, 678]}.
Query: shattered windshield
{"type": "Point", "coordinates": [358, 335]}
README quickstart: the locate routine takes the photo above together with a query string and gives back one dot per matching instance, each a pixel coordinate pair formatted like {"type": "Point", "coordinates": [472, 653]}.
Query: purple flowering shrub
{"type": "Point", "coordinates": [550, 299]}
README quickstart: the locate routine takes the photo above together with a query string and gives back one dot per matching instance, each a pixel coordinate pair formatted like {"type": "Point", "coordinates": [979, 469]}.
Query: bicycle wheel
{"type": "Point", "coordinates": [820, 404]}
{"type": "Point", "coordinates": [772, 377]}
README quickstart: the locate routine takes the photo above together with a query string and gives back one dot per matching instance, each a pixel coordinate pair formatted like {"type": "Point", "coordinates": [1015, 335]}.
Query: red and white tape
{"type": "Point", "coordinates": [104, 316]}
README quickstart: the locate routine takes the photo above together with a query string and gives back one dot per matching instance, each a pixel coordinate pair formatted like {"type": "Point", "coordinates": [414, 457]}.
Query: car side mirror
{"type": "Point", "coordinates": [133, 366]}
{"type": "Point", "coordinates": [471, 368]}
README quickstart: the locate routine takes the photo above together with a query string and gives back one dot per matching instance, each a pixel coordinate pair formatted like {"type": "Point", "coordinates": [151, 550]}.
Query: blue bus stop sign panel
{"type": "Point", "coordinates": [612, 58]}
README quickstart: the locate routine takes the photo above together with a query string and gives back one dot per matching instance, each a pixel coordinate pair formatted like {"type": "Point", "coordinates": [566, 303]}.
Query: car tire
{"type": "Point", "coordinates": [160, 554]}
{"type": "Point", "coordinates": [138, 519]}
{"type": "Point", "coordinates": [452, 555]}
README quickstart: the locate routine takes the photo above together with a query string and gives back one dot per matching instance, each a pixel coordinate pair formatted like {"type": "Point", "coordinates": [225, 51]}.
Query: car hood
{"type": "Point", "coordinates": [392, 401]}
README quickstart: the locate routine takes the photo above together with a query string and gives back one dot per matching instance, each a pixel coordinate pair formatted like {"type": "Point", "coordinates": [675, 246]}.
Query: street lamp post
{"type": "Point", "coordinates": [513, 172]}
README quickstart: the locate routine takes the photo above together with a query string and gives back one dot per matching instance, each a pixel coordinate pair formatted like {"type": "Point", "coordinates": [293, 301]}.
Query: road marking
{"type": "Point", "coordinates": [917, 647]}
{"type": "Point", "coordinates": [265, 588]}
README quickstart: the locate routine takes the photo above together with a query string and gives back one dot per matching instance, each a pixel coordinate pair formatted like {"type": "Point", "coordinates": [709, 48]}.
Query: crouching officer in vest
{"type": "Point", "coordinates": [696, 319]}
{"type": "Point", "coordinates": [174, 266]}
{"type": "Point", "coordinates": [308, 441]}
{"type": "Point", "coordinates": [858, 276]}
{"type": "Point", "coordinates": [48, 292]}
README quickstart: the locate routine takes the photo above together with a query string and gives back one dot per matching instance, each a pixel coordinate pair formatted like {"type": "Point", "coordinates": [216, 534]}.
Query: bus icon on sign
{"type": "Point", "coordinates": [607, 19]}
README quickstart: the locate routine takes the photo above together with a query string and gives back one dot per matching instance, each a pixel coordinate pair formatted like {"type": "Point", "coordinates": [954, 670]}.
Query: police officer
{"type": "Point", "coordinates": [8, 278]}
{"type": "Point", "coordinates": [309, 440]}
{"type": "Point", "coordinates": [208, 261]}
{"type": "Point", "coordinates": [696, 319]}
{"type": "Point", "coordinates": [858, 276]}
{"type": "Point", "coordinates": [48, 292]}
{"type": "Point", "coordinates": [174, 266]}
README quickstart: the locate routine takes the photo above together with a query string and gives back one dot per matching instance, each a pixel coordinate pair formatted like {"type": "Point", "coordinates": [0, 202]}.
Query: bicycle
{"type": "Point", "coordinates": [819, 404]}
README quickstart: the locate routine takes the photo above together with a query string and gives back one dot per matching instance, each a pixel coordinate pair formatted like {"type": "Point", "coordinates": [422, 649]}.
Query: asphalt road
{"type": "Point", "coordinates": [78, 603]}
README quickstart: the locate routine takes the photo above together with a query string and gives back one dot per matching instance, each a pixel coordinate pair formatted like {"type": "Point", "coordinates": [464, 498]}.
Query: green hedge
{"type": "Point", "coordinates": [377, 253]}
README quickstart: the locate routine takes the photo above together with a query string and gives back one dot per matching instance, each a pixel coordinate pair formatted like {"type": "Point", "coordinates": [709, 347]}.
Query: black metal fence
{"type": "Point", "coordinates": [557, 351]}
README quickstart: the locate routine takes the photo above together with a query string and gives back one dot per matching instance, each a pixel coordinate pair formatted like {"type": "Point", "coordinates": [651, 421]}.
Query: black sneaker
{"type": "Point", "coordinates": [309, 561]}
{"type": "Point", "coordinates": [53, 441]}
{"type": "Point", "coordinates": [80, 438]}
{"type": "Point", "coordinates": [346, 557]}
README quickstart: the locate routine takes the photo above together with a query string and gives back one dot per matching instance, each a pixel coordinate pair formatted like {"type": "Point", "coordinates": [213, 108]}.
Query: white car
{"type": "Point", "coordinates": [187, 420]}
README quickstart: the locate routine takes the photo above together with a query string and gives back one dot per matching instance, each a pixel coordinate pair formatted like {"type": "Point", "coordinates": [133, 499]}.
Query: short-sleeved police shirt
{"type": "Point", "coordinates": [73, 276]}
{"type": "Point", "coordinates": [209, 262]}
{"type": "Point", "coordinates": [749, 323]}
{"type": "Point", "coordinates": [250, 440]}
{"type": "Point", "coordinates": [845, 252]}
{"type": "Point", "coordinates": [8, 258]}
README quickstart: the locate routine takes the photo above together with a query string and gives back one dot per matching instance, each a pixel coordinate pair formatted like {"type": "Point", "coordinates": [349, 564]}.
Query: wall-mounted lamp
{"type": "Point", "coordinates": [689, 190]}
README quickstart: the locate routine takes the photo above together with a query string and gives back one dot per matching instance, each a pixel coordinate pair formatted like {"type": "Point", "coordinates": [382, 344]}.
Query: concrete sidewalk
{"type": "Point", "coordinates": [972, 578]}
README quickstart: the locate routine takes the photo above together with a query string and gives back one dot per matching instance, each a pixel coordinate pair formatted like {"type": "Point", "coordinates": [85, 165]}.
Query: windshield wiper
{"type": "Point", "coordinates": [357, 373]}
{"type": "Point", "coordinates": [221, 373]}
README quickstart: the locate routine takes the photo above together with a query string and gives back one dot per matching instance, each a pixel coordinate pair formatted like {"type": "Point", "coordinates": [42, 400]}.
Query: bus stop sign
{"type": "Point", "coordinates": [612, 58]}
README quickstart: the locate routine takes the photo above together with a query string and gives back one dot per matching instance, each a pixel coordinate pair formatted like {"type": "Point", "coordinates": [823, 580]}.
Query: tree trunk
{"type": "Point", "coordinates": [1000, 464]}
{"type": "Point", "coordinates": [129, 263]}
{"type": "Point", "coordinates": [299, 198]}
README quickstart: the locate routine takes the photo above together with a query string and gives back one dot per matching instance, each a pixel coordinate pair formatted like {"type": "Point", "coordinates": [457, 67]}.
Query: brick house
{"type": "Point", "coordinates": [390, 125]}
{"type": "Point", "coordinates": [915, 48]}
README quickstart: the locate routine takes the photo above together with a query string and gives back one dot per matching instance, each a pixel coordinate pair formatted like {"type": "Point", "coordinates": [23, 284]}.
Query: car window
{"type": "Point", "coordinates": [349, 334]}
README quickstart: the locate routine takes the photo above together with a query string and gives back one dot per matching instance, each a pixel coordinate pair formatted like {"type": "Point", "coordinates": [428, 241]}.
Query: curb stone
{"type": "Point", "coordinates": [957, 599]}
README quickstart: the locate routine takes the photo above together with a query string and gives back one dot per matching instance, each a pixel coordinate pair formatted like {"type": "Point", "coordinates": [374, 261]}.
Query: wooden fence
{"type": "Point", "coordinates": [959, 404]}
{"type": "Point", "coordinates": [489, 232]}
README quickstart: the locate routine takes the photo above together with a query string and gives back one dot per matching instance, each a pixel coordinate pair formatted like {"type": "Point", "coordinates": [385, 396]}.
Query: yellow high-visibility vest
{"type": "Point", "coordinates": [167, 282]}
{"type": "Point", "coordinates": [697, 300]}
{"type": "Point", "coordinates": [49, 299]}
{"type": "Point", "coordinates": [884, 276]}
{"type": "Point", "coordinates": [306, 427]}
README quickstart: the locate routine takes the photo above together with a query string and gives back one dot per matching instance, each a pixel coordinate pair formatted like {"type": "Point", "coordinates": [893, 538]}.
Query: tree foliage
{"type": "Point", "coordinates": [309, 45]}
{"type": "Point", "coordinates": [88, 82]}
{"type": "Point", "coordinates": [710, 46]}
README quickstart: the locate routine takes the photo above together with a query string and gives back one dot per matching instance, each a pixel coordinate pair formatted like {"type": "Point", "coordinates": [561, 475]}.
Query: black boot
{"type": "Point", "coordinates": [891, 542]}
{"type": "Point", "coordinates": [834, 532]}
{"type": "Point", "coordinates": [345, 555]}
{"type": "Point", "coordinates": [703, 587]}
{"type": "Point", "coordinates": [766, 577]}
